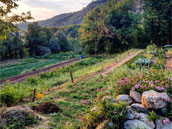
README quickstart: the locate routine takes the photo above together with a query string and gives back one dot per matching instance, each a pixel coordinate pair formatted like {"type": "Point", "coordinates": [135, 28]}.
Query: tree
{"type": "Point", "coordinates": [63, 41]}
{"type": "Point", "coordinates": [110, 28]}
{"type": "Point", "coordinates": [8, 18]}
{"type": "Point", "coordinates": [37, 39]}
{"type": "Point", "coordinates": [54, 45]}
{"type": "Point", "coordinates": [158, 20]}
{"type": "Point", "coordinates": [12, 46]}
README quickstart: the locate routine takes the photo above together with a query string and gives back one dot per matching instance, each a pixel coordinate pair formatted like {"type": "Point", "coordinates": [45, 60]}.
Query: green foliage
{"type": "Point", "coordinates": [158, 16]}
{"type": "Point", "coordinates": [106, 110]}
{"type": "Point", "coordinates": [143, 62]}
{"type": "Point", "coordinates": [7, 98]}
{"type": "Point", "coordinates": [27, 65]}
{"type": "Point", "coordinates": [8, 17]}
{"type": "Point", "coordinates": [110, 28]}
{"type": "Point", "coordinates": [152, 116]}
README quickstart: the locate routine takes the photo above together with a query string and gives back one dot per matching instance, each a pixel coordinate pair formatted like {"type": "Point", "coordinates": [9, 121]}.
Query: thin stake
{"type": "Point", "coordinates": [34, 95]}
{"type": "Point", "coordinates": [71, 76]}
{"type": "Point", "coordinates": [102, 65]}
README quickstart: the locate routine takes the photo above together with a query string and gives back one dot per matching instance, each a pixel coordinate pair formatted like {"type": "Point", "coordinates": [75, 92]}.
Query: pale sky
{"type": "Point", "coordinates": [44, 9]}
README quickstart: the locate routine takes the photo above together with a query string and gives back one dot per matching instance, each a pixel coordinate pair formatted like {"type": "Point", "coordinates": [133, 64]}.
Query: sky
{"type": "Point", "coordinates": [44, 9]}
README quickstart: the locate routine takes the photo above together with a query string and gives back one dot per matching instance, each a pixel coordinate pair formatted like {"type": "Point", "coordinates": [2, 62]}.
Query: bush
{"type": "Point", "coordinates": [43, 51]}
{"type": "Point", "coordinates": [107, 111]}
{"type": "Point", "coordinates": [7, 98]}
{"type": "Point", "coordinates": [17, 119]}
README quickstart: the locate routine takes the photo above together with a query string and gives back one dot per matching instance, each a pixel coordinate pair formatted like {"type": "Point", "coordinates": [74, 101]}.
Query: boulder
{"type": "Point", "coordinates": [136, 96]}
{"type": "Point", "coordinates": [130, 113]}
{"type": "Point", "coordinates": [139, 108]}
{"type": "Point", "coordinates": [169, 126]}
{"type": "Point", "coordinates": [125, 98]}
{"type": "Point", "coordinates": [143, 118]}
{"type": "Point", "coordinates": [135, 124]}
{"type": "Point", "coordinates": [159, 124]}
{"type": "Point", "coordinates": [154, 100]}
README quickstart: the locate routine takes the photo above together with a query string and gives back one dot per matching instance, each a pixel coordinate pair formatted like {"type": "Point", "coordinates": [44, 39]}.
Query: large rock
{"type": "Point", "coordinates": [143, 118]}
{"type": "Point", "coordinates": [136, 96]}
{"type": "Point", "coordinates": [130, 113]}
{"type": "Point", "coordinates": [169, 126]}
{"type": "Point", "coordinates": [125, 98]}
{"type": "Point", "coordinates": [154, 100]}
{"type": "Point", "coordinates": [135, 124]}
{"type": "Point", "coordinates": [139, 108]}
{"type": "Point", "coordinates": [160, 125]}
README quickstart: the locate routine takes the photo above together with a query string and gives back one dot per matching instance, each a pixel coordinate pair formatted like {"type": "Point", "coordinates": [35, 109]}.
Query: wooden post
{"type": "Point", "coordinates": [34, 95]}
{"type": "Point", "coordinates": [71, 76]}
{"type": "Point", "coordinates": [102, 65]}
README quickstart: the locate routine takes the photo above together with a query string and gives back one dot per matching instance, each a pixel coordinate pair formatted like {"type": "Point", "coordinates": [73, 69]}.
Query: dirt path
{"type": "Point", "coordinates": [125, 60]}
{"type": "Point", "coordinates": [168, 62]}
{"type": "Point", "coordinates": [22, 77]}
{"type": "Point", "coordinates": [105, 72]}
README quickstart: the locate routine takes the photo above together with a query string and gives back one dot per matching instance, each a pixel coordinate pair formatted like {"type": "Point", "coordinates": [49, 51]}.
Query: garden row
{"type": "Point", "coordinates": [32, 64]}
{"type": "Point", "coordinates": [135, 99]}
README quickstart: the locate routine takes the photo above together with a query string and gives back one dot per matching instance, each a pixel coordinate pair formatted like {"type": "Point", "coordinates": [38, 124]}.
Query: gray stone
{"type": "Point", "coordinates": [125, 98]}
{"type": "Point", "coordinates": [169, 126]}
{"type": "Point", "coordinates": [136, 96]}
{"type": "Point", "coordinates": [143, 118]}
{"type": "Point", "coordinates": [139, 108]}
{"type": "Point", "coordinates": [159, 124]}
{"type": "Point", "coordinates": [154, 100]}
{"type": "Point", "coordinates": [135, 124]}
{"type": "Point", "coordinates": [130, 113]}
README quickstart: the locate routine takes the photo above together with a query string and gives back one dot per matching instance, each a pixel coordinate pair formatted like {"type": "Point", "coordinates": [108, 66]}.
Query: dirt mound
{"type": "Point", "coordinates": [47, 108]}
{"type": "Point", "coordinates": [17, 119]}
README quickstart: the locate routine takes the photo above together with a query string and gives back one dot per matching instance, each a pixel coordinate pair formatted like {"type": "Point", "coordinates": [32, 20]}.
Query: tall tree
{"type": "Point", "coordinates": [158, 19]}
{"type": "Point", "coordinates": [110, 28]}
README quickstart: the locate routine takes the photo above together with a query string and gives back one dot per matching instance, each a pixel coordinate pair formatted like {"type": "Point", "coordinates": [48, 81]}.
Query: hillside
{"type": "Point", "coordinates": [67, 18]}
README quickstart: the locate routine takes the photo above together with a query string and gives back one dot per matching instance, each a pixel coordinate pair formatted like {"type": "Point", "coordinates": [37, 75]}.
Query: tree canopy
{"type": "Point", "coordinates": [8, 18]}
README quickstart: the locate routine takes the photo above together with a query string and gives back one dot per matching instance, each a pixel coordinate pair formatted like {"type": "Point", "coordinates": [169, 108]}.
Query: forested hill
{"type": "Point", "coordinates": [68, 18]}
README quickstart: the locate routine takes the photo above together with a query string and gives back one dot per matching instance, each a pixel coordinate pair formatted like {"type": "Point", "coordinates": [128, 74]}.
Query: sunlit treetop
{"type": "Point", "coordinates": [8, 18]}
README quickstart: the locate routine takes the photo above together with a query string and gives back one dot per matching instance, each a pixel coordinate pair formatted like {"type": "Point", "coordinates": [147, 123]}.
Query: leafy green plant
{"type": "Point", "coordinates": [7, 98]}
{"type": "Point", "coordinates": [143, 62]}
{"type": "Point", "coordinates": [153, 116]}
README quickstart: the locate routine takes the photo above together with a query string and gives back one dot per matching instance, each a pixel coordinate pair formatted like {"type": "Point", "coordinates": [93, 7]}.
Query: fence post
{"type": "Point", "coordinates": [71, 76]}
{"type": "Point", "coordinates": [102, 66]}
{"type": "Point", "coordinates": [34, 95]}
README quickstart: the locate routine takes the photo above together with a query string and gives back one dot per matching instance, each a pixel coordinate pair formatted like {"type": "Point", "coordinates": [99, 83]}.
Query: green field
{"type": "Point", "coordinates": [32, 64]}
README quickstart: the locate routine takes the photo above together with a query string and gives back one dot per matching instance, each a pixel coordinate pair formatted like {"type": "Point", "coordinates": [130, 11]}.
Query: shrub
{"type": "Point", "coordinates": [106, 111]}
{"type": "Point", "coordinates": [154, 80]}
{"type": "Point", "coordinates": [7, 98]}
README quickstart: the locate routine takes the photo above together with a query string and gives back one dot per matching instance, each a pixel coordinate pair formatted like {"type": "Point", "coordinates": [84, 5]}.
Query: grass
{"type": "Point", "coordinates": [69, 96]}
